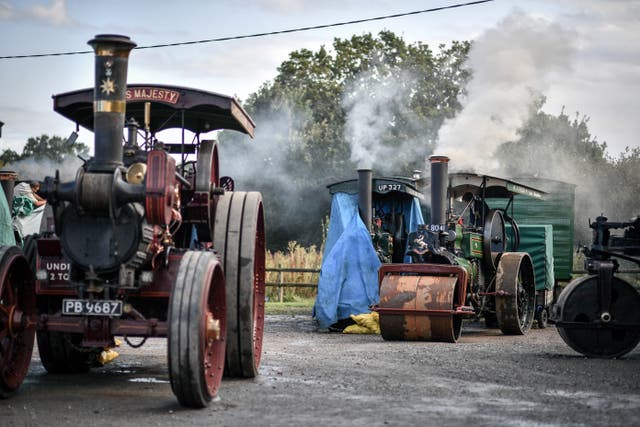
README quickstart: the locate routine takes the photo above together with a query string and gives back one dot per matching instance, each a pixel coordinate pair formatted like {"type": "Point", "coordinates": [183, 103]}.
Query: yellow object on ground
{"type": "Point", "coordinates": [366, 323]}
{"type": "Point", "coordinates": [107, 355]}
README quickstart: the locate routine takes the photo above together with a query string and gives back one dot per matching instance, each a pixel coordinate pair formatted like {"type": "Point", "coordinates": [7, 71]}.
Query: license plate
{"type": "Point", "coordinates": [85, 307]}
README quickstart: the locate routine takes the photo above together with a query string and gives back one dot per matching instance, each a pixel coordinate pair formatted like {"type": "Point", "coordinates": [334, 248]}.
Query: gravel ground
{"type": "Point", "coordinates": [315, 378]}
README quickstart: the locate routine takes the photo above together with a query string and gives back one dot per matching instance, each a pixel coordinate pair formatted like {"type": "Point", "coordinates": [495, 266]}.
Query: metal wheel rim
{"type": "Point", "coordinates": [259, 274]}
{"type": "Point", "coordinates": [515, 293]}
{"type": "Point", "coordinates": [17, 319]}
{"type": "Point", "coordinates": [239, 238]}
{"type": "Point", "coordinates": [196, 358]}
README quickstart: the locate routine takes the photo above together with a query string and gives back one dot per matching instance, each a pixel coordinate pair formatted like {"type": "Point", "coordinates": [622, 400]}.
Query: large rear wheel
{"type": "Point", "coordinates": [17, 318]}
{"type": "Point", "coordinates": [515, 293]}
{"type": "Point", "coordinates": [239, 239]}
{"type": "Point", "coordinates": [197, 329]}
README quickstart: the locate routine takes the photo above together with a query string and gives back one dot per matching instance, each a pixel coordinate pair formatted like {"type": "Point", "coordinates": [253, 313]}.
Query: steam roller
{"type": "Point", "coordinates": [462, 264]}
{"type": "Point", "coordinates": [598, 315]}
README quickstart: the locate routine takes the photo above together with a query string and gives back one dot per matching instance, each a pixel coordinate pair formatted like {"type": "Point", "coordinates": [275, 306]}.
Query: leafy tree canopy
{"type": "Point", "coordinates": [309, 118]}
{"type": "Point", "coordinates": [44, 147]}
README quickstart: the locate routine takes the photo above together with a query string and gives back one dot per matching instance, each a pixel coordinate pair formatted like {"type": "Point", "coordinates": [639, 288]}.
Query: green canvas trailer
{"type": "Point", "coordinates": [537, 241]}
{"type": "Point", "coordinates": [556, 208]}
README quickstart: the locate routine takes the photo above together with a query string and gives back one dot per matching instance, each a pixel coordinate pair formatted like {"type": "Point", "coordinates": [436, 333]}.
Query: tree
{"type": "Point", "coordinates": [8, 156]}
{"type": "Point", "coordinates": [44, 147]}
{"type": "Point", "coordinates": [53, 148]}
{"type": "Point", "coordinates": [623, 185]}
{"type": "Point", "coordinates": [308, 131]}
{"type": "Point", "coordinates": [562, 148]}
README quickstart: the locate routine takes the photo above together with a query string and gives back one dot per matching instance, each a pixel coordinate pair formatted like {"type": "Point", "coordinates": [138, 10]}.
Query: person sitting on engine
{"type": "Point", "coordinates": [27, 209]}
{"type": "Point", "coordinates": [30, 191]}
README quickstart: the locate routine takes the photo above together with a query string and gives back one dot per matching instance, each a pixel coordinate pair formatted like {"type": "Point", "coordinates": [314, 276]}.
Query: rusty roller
{"type": "Point", "coordinates": [421, 302]}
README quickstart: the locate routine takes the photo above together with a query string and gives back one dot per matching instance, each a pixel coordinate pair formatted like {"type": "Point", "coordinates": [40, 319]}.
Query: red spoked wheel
{"type": "Point", "coordinates": [239, 238]}
{"type": "Point", "coordinates": [197, 329]}
{"type": "Point", "coordinates": [17, 318]}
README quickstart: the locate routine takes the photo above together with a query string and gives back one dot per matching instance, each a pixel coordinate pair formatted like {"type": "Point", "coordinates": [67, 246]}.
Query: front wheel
{"type": "Point", "coordinates": [197, 329]}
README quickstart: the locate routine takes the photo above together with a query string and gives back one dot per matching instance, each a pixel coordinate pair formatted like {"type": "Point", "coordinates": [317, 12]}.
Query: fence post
{"type": "Point", "coordinates": [280, 288]}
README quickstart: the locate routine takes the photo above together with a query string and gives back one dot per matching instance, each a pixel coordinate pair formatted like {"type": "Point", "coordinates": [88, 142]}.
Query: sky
{"type": "Point", "coordinates": [592, 68]}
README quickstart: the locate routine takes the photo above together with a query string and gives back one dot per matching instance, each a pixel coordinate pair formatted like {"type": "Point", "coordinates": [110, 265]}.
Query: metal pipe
{"type": "Point", "coordinates": [132, 129]}
{"type": "Point", "coordinates": [439, 184]}
{"type": "Point", "coordinates": [109, 99]}
{"type": "Point", "coordinates": [364, 196]}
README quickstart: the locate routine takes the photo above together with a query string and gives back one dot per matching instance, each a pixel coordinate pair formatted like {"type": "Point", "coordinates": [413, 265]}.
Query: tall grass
{"type": "Point", "coordinates": [295, 256]}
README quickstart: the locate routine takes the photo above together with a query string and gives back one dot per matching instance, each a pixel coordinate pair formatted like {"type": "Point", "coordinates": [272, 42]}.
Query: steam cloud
{"type": "Point", "coordinates": [512, 65]}
{"type": "Point", "coordinates": [37, 169]}
{"type": "Point", "coordinates": [295, 197]}
{"type": "Point", "coordinates": [370, 103]}
{"type": "Point", "coordinates": [379, 119]}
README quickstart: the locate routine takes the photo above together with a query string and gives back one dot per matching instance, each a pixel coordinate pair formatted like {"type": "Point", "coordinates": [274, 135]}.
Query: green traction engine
{"type": "Point", "coordinates": [463, 263]}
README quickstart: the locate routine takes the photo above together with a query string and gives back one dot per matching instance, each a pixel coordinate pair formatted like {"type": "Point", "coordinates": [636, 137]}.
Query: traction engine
{"type": "Point", "coordinates": [143, 247]}
{"type": "Point", "coordinates": [463, 264]}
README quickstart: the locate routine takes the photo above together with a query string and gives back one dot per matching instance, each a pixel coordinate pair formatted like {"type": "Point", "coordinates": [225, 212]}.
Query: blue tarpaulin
{"type": "Point", "coordinates": [348, 281]}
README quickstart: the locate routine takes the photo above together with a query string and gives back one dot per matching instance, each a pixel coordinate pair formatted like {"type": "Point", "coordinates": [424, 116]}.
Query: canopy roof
{"type": "Point", "coordinates": [380, 185]}
{"type": "Point", "coordinates": [489, 186]}
{"type": "Point", "coordinates": [171, 107]}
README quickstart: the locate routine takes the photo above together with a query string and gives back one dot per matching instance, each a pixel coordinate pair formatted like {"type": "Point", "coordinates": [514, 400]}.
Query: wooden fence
{"type": "Point", "coordinates": [281, 284]}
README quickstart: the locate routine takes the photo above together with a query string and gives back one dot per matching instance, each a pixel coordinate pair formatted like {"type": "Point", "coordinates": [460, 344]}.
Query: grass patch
{"type": "Point", "coordinates": [301, 306]}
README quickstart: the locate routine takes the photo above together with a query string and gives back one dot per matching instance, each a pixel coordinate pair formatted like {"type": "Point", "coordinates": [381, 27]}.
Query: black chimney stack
{"type": "Point", "coordinates": [365, 205]}
{"type": "Point", "coordinates": [109, 99]}
{"type": "Point", "coordinates": [439, 184]}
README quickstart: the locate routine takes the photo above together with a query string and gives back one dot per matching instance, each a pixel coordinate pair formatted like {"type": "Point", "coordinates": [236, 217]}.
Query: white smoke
{"type": "Point", "coordinates": [32, 169]}
{"type": "Point", "coordinates": [369, 102]}
{"type": "Point", "coordinates": [512, 65]}
{"type": "Point", "coordinates": [377, 104]}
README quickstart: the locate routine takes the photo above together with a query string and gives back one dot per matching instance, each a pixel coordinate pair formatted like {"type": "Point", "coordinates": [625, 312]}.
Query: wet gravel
{"type": "Point", "coordinates": [317, 378]}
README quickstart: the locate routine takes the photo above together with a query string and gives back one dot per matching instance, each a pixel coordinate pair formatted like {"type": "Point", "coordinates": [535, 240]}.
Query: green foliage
{"type": "Point", "coordinates": [8, 156]}
{"type": "Point", "coordinates": [53, 148]}
{"type": "Point", "coordinates": [562, 148]}
{"type": "Point", "coordinates": [624, 184]}
{"type": "Point", "coordinates": [45, 148]}
{"type": "Point", "coordinates": [302, 143]}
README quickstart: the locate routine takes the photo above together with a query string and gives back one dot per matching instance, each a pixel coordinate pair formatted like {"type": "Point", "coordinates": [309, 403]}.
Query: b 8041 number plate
{"type": "Point", "coordinates": [85, 307]}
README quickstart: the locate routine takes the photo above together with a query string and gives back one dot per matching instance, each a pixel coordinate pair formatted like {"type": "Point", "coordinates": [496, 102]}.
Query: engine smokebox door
{"type": "Point", "coordinates": [100, 241]}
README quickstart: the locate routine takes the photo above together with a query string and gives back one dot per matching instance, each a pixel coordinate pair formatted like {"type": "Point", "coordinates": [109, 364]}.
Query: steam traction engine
{"type": "Point", "coordinates": [461, 265]}
{"type": "Point", "coordinates": [143, 246]}
{"type": "Point", "coordinates": [598, 315]}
